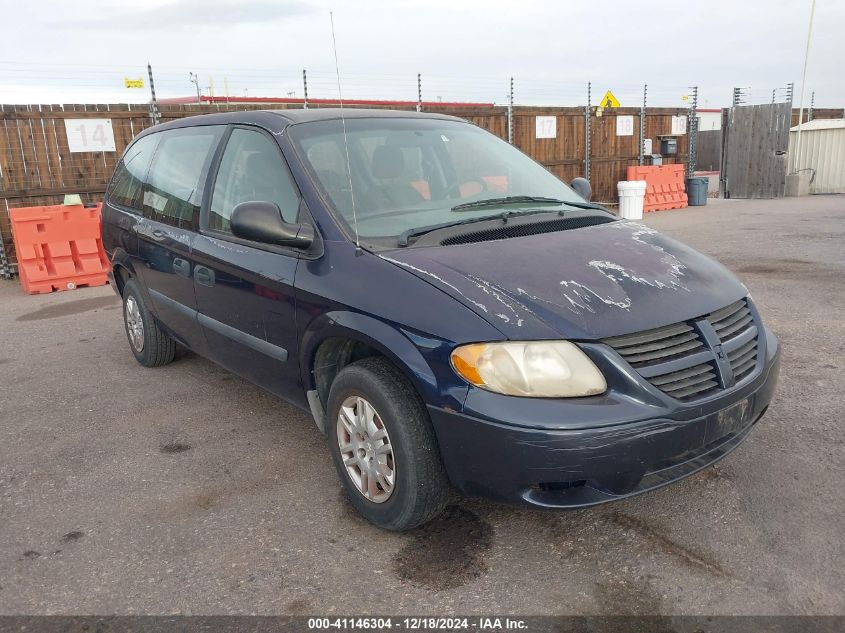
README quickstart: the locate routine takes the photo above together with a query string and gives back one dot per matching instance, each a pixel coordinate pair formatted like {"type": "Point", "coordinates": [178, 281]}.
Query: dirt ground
{"type": "Point", "coordinates": [184, 489]}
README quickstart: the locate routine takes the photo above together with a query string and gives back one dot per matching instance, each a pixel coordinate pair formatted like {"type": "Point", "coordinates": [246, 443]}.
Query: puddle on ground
{"type": "Point", "coordinates": [174, 447]}
{"type": "Point", "coordinates": [72, 536]}
{"type": "Point", "coordinates": [70, 307]}
{"type": "Point", "coordinates": [447, 552]}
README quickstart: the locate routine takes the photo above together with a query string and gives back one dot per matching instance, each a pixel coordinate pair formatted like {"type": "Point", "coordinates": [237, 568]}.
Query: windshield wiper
{"type": "Point", "coordinates": [405, 236]}
{"type": "Point", "coordinates": [495, 202]}
{"type": "Point", "coordinates": [584, 205]}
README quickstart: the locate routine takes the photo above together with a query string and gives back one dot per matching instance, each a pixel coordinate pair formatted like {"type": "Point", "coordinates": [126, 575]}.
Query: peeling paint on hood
{"type": "Point", "coordinates": [586, 283]}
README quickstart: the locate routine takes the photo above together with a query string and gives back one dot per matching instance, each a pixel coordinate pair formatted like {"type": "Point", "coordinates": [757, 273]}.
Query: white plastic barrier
{"type": "Point", "coordinates": [631, 196]}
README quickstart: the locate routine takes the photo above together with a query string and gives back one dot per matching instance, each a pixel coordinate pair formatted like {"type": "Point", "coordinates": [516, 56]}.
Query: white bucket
{"type": "Point", "coordinates": [631, 197]}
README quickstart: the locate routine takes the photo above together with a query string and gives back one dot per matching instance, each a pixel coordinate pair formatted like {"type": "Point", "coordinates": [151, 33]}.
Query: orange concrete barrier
{"type": "Point", "coordinates": [59, 247]}
{"type": "Point", "coordinates": [665, 187]}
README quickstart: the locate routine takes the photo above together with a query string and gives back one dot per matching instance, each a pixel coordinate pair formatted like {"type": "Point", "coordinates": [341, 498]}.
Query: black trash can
{"type": "Point", "coordinates": [697, 191]}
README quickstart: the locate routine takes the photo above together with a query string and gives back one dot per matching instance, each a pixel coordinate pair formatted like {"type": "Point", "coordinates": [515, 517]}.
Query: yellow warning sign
{"type": "Point", "coordinates": [133, 83]}
{"type": "Point", "coordinates": [609, 101]}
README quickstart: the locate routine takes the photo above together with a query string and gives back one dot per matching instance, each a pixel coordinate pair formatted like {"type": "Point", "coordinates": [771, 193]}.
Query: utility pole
{"type": "Point", "coordinates": [692, 117]}
{"type": "Point", "coordinates": [419, 92]}
{"type": "Point", "coordinates": [803, 86]}
{"type": "Point", "coordinates": [587, 132]}
{"type": "Point", "coordinates": [196, 81]}
{"type": "Point", "coordinates": [641, 157]}
{"type": "Point", "coordinates": [812, 103]}
{"type": "Point", "coordinates": [154, 115]}
{"type": "Point", "coordinates": [510, 114]}
{"type": "Point", "coordinates": [304, 90]}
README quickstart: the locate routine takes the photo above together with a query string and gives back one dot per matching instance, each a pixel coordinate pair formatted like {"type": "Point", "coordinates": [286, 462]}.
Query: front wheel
{"type": "Point", "coordinates": [383, 446]}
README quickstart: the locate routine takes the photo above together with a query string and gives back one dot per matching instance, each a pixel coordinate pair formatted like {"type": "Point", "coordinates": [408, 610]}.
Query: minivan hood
{"type": "Point", "coordinates": [587, 283]}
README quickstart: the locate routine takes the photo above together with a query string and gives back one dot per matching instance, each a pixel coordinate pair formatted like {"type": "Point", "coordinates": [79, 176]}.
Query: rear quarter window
{"type": "Point", "coordinates": [174, 186]}
{"type": "Point", "coordinates": [128, 179]}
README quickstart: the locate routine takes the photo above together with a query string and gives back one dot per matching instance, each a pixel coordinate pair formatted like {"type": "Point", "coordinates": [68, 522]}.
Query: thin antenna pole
{"type": "Point", "coordinates": [345, 138]}
{"type": "Point", "coordinates": [803, 87]}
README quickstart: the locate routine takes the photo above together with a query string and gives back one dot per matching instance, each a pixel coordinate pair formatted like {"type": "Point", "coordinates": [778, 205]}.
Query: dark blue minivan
{"type": "Point", "coordinates": [451, 313]}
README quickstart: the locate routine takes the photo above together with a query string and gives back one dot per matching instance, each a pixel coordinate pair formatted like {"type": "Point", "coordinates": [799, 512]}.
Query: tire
{"type": "Point", "coordinates": [420, 487]}
{"type": "Point", "coordinates": [155, 348]}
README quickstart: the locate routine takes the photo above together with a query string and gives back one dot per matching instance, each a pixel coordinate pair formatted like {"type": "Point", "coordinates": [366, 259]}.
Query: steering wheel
{"type": "Point", "coordinates": [455, 190]}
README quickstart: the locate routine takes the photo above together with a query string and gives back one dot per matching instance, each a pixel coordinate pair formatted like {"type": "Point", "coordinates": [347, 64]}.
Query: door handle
{"type": "Point", "coordinates": [204, 276]}
{"type": "Point", "coordinates": [182, 267]}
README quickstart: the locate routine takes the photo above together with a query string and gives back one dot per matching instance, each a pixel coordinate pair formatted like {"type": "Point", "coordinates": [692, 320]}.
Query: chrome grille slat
{"type": "Point", "coordinates": [675, 350]}
{"type": "Point", "coordinates": [658, 381]}
{"type": "Point", "coordinates": [648, 335]}
{"type": "Point", "coordinates": [672, 357]}
{"type": "Point", "coordinates": [728, 320]}
{"type": "Point", "coordinates": [718, 315]}
{"type": "Point", "coordinates": [694, 381]}
{"type": "Point", "coordinates": [698, 390]}
{"type": "Point", "coordinates": [729, 332]}
{"type": "Point", "coordinates": [658, 345]}
{"type": "Point", "coordinates": [739, 358]}
{"type": "Point", "coordinates": [741, 371]}
{"type": "Point", "coordinates": [662, 343]}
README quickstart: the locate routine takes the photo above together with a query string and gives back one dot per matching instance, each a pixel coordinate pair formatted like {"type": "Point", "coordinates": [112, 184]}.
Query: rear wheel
{"type": "Point", "coordinates": [383, 446]}
{"type": "Point", "coordinates": [150, 345]}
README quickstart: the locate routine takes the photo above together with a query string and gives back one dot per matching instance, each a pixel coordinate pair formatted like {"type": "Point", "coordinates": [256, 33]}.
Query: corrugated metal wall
{"type": "Point", "coordinates": [822, 150]}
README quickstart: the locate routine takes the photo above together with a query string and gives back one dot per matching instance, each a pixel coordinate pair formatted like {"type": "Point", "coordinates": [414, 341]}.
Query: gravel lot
{"type": "Point", "coordinates": [186, 490]}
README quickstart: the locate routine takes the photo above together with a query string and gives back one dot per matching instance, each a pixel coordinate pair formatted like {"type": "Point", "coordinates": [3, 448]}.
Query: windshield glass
{"type": "Point", "coordinates": [410, 173]}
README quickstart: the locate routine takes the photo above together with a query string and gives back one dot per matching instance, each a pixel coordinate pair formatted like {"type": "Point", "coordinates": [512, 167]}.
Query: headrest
{"type": "Point", "coordinates": [388, 161]}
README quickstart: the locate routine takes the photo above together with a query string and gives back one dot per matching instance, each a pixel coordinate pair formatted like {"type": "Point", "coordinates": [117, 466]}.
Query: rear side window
{"type": "Point", "coordinates": [252, 169]}
{"type": "Point", "coordinates": [128, 179]}
{"type": "Point", "coordinates": [173, 193]}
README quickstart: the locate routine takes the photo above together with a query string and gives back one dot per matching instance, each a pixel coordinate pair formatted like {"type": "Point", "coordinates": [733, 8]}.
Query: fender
{"type": "Point", "coordinates": [394, 343]}
{"type": "Point", "coordinates": [119, 257]}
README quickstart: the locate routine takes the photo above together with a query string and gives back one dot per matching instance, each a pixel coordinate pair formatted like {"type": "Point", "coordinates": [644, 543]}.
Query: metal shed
{"type": "Point", "coordinates": [823, 152]}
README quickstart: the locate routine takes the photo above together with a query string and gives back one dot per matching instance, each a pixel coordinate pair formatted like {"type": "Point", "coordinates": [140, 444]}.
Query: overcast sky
{"type": "Point", "coordinates": [55, 51]}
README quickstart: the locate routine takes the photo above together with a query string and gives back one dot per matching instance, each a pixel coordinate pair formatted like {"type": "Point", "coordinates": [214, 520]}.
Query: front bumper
{"type": "Point", "coordinates": [654, 445]}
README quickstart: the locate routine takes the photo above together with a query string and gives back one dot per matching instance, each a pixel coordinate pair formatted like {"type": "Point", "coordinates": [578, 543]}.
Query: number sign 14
{"type": "Point", "coordinates": [89, 135]}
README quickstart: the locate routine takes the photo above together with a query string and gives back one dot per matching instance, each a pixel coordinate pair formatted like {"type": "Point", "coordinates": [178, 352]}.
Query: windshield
{"type": "Point", "coordinates": [412, 173]}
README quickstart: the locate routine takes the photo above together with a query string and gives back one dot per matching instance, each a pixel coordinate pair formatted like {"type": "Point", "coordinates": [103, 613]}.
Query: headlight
{"type": "Point", "coordinates": [541, 369]}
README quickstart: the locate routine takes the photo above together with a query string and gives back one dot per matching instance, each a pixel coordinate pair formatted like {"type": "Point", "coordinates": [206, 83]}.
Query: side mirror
{"type": "Point", "coordinates": [582, 188]}
{"type": "Point", "coordinates": [262, 222]}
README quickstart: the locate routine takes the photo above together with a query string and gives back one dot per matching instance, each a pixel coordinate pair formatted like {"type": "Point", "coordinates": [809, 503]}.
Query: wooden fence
{"type": "Point", "coordinates": [37, 167]}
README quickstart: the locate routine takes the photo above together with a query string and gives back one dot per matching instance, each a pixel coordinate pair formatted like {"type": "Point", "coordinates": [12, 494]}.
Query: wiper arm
{"type": "Point", "coordinates": [405, 236]}
{"type": "Point", "coordinates": [584, 205]}
{"type": "Point", "coordinates": [495, 202]}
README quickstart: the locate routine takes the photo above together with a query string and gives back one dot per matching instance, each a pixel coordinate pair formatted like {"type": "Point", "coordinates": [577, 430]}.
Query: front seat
{"type": "Point", "coordinates": [388, 169]}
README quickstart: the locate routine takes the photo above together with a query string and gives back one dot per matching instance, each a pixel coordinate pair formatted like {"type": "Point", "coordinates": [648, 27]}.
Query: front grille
{"type": "Point", "coordinates": [522, 230]}
{"type": "Point", "coordinates": [687, 384]}
{"type": "Point", "coordinates": [658, 345]}
{"type": "Point", "coordinates": [743, 359]}
{"type": "Point", "coordinates": [678, 360]}
{"type": "Point", "coordinates": [731, 321]}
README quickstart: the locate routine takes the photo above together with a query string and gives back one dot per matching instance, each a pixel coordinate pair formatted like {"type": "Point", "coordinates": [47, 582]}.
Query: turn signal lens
{"type": "Point", "coordinates": [538, 369]}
